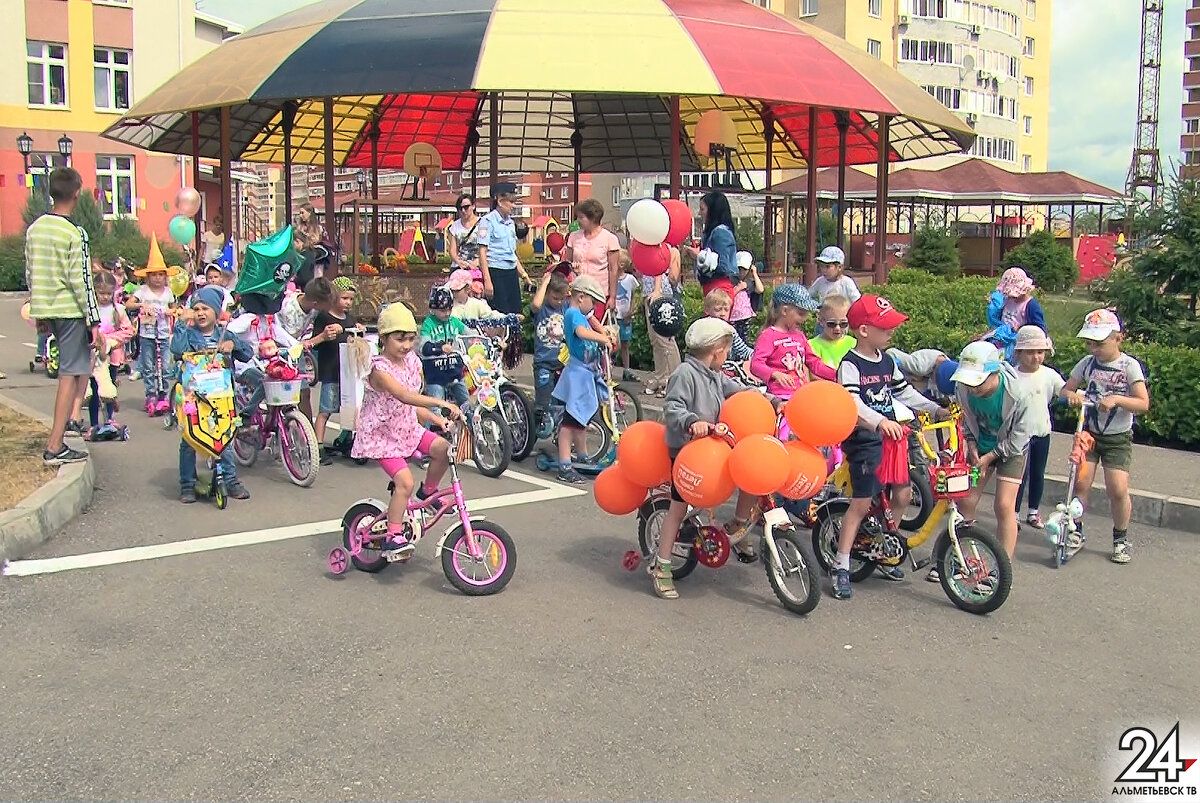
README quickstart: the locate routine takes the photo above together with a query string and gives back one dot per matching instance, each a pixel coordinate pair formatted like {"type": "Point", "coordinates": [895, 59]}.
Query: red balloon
{"type": "Point", "coordinates": [807, 471]}
{"type": "Point", "coordinates": [748, 413]}
{"type": "Point", "coordinates": [759, 464]}
{"type": "Point", "coordinates": [821, 413]}
{"type": "Point", "coordinates": [681, 221]}
{"type": "Point", "coordinates": [555, 242]}
{"type": "Point", "coordinates": [701, 472]}
{"type": "Point", "coordinates": [642, 453]}
{"type": "Point", "coordinates": [650, 260]}
{"type": "Point", "coordinates": [615, 493]}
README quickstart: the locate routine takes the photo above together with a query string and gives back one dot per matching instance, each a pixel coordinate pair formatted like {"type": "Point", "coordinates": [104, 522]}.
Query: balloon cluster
{"type": "Point", "coordinates": [183, 226]}
{"type": "Point", "coordinates": [654, 227]}
{"type": "Point", "coordinates": [750, 457]}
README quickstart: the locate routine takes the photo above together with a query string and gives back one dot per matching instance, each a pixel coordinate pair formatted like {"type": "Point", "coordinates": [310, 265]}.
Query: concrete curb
{"type": "Point", "coordinates": [1169, 512]}
{"type": "Point", "coordinates": [40, 516]}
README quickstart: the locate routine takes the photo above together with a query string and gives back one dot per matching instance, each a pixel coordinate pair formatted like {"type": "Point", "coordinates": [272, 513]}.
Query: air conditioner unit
{"type": "Point", "coordinates": [972, 118]}
{"type": "Point", "coordinates": [903, 19]}
{"type": "Point", "coordinates": [976, 30]}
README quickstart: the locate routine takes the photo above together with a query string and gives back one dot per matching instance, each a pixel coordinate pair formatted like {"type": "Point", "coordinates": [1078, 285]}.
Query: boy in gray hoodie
{"type": "Point", "coordinates": [999, 422]}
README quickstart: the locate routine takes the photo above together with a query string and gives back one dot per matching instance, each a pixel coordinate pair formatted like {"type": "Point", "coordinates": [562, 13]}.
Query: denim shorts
{"type": "Point", "coordinates": [331, 398]}
{"type": "Point", "coordinates": [862, 459]}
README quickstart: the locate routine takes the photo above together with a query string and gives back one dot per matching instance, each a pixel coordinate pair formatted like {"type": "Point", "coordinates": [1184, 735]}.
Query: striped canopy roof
{"type": "Point", "coordinates": [606, 69]}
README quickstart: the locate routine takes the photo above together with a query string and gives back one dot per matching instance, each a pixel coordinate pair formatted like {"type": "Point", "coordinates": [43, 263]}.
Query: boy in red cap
{"type": "Point", "coordinates": [875, 381]}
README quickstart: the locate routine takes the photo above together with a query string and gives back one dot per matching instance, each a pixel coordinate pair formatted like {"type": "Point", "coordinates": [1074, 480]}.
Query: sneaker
{"type": "Point", "coordinates": [236, 490]}
{"type": "Point", "coordinates": [134, 375]}
{"type": "Point", "coordinates": [570, 476]}
{"type": "Point", "coordinates": [64, 455]}
{"type": "Point", "coordinates": [841, 584]}
{"type": "Point", "coordinates": [1034, 520]}
{"type": "Point", "coordinates": [188, 496]}
{"type": "Point", "coordinates": [325, 460]}
{"type": "Point", "coordinates": [894, 573]}
{"type": "Point", "coordinates": [1120, 553]}
{"type": "Point", "coordinates": [399, 546]}
{"type": "Point", "coordinates": [149, 406]}
{"type": "Point", "coordinates": [76, 427]}
{"type": "Point", "coordinates": [933, 576]}
{"type": "Point", "coordinates": [628, 376]}
{"type": "Point", "coordinates": [664, 581]}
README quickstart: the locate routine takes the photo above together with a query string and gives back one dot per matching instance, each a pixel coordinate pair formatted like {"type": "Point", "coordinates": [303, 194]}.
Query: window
{"type": "Point", "coordinates": [114, 181]}
{"type": "Point", "coordinates": [1029, 46]}
{"type": "Point", "coordinates": [875, 8]}
{"type": "Point", "coordinates": [1193, 95]}
{"type": "Point", "coordinates": [1028, 124]}
{"type": "Point", "coordinates": [932, 51]}
{"type": "Point", "coordinates": [616, 196]}
{"type": "Point", "coordinates": [1031, 9]}
{"type": "Point", "coordinates": [1192, 126]}
{"type": "Point", "coordinates": [1004, 150]}
{"type": "Point", "coordinates": [948, 96]}
{"type": "Point", "coordinates": [47, 73]}
{"type": "Point", "coordinates": [1194, 64]}
{"type": "Point", "coordinates": [1027, 163]}
{"type": "Point", "coordinates": [875, 48]}
{"type": "Point", "coordinates": [565, 194]}
{"type": "Point", "coordinates": [808, 8]}
{"type": "Point", "coordinates": [111, 76]}
{"type": "Point", "coordinates": [1028, 85]}
{"type": "Point", "coordinates": [928, 8]}
{"type": "Point", "coordinates": [566, 213]}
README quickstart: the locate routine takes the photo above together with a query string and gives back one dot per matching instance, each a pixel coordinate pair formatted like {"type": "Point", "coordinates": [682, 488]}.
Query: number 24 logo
{"type": "Point", "coordinates": [1155, 762]}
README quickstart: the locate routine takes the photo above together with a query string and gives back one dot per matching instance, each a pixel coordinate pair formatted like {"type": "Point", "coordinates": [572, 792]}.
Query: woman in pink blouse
{"type": "Point", "coordinates": [594, 251]}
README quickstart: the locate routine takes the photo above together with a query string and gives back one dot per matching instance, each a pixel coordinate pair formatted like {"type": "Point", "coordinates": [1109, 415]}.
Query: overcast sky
{"type": "Point", "coordinates": [1093, 96]}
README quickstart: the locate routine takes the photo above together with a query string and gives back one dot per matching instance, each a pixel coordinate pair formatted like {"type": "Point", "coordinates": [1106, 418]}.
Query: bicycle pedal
{"type": "Point", "coordinates": [918, 565]}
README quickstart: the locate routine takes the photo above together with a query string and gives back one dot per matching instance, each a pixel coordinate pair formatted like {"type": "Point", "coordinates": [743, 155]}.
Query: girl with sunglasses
{"type": "Point", "coordinates": [833, 338]}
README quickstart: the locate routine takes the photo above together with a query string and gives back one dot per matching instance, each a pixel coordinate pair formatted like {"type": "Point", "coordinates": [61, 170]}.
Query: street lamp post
{"type": "Point", "coordinates": [25, 148]}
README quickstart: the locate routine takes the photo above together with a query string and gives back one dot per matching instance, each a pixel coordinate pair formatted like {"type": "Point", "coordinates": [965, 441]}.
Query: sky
{"type": "Point", "coordinates": [1093, 90]}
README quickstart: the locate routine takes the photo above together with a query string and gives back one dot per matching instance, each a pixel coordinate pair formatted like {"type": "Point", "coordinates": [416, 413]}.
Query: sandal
{"type": "Point", "coordinates": [664, 582]}
{"type": "Point", "coordinates": [737, 530]}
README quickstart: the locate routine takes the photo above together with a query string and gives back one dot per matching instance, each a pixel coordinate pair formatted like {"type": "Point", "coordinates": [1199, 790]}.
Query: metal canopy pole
{"type": "Point", "coordinates": [493, 143]}
{"type": "Point", "coordinates": [289, 124]}
{"type": "Point", "coordinates": [768, 214]}
{"type": "Point", "coordinates": [843, 125]}
{"type": "Point", "coordinates": [226, 170]}
{"type": "Point", "coordinates": [330, 205]}
{"type": "Point", "coordinates": [676, 159]}
{"type": "Point", "coordinates": [881, 195]}
{"type": "Point", "coordinates": [577, 158]}
{"type": "Point", "coordinates": [203, 210]}
{"type": "Point", "coordinates": [373, 133]}
{"type": "Point", "coordinates": [810, 248]}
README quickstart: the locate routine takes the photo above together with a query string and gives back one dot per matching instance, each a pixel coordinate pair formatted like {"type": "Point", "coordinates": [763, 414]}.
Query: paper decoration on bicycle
{"type": "Point", "coordinates": [712, 547]}
{"type": "Point", "coordinates": [207, 421]}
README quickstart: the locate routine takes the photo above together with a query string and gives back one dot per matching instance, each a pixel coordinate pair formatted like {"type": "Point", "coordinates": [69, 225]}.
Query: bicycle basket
{"type": "Point", "coordinates": [268, 266]}
{"type": "Point", "coordinates": [282, 393]}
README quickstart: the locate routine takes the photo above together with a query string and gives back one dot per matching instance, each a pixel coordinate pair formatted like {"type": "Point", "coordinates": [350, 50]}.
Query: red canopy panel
{"type": "Point", "coordinates": [445, 120]}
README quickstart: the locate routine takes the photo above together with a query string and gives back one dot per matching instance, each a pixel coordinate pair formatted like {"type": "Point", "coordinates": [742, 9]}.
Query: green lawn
{"type": "Point", "coordinates": [1064, 314]}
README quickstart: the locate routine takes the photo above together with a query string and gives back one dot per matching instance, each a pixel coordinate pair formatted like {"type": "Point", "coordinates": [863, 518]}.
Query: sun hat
{"type": "Point", "coordinates": [1099, 324]}
{"type": "Point", "coordinates": [877, 311]}
{"type": "Point", "coordinates": [978, 361]}
{"type": "Point", "coordinates": [706, 332]}
{"type": "Point", "coordinates": [459, 279]}
{"type": "Point", "coordinates": [1032, 338]}
{"type": "Point", "coordinates": [1015, 283]}
{"type": "Point", "coordinates": [396, 318]}
{"type": "Point", "coordinates": [590, 287]}
{"type": "Point", "coordinates": [832, 254]}
{"type": "Point", "coordinates": [209, 296]}
{"type": "Point", "coordinates": [155, 262]}
{"type": "Point", "coordinates": [794, 295]}
{"type": "Point", "coordinates": [745, 260]}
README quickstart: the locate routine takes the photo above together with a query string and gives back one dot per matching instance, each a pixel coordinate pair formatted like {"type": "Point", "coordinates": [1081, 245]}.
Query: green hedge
{"type": "Point", "coordinates": [12, 262]}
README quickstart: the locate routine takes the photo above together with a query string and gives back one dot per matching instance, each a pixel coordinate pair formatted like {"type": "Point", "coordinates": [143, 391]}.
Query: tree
{"type": "Point", "coordinates": [935, 250]}
{"type": "Point", "coordinates": [826, 235]}
{"type": "Point", "coordinates": [749, 236]}
{"type": "Point", "coordinates": [1173, 264]}
{"type": "Point", "coordinates": [87, 214]}
{"type": "Point", "coordinates": [36, 205]}
{"type": "Point", "coordinates": [1051, 265]}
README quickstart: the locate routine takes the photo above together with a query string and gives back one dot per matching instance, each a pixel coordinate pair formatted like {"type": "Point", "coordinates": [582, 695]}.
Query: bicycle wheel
{"type": "Point", "coordinates": [626, 407]}
{"type": "Point", "coordinates": [825, 540]}
{"type": "Point", "coordinates": [794, 579]}
{"type": "Point", "coordinates": [922, 503]}
{"type": "Point", "coordinates": [489, 573]}
{"type": "Point", "coordinates": [599, 441]}
{"type": "Point", "coordinates": [491, 440]}
{"type": "Point", "coordinates": [298, 445]}
{"type": "Point", "coordinates": [356, 525]}
{"type": "Point", "coordinates": [984, 583]}
{"type": "Point", "coordinates": [519, 412]}
{"type": "Point", "coordinates": [246, 443]}
{"type": "Point", "coordinates": [650, 522]}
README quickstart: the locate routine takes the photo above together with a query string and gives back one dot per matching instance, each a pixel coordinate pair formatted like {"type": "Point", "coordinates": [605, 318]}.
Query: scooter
{"type": "Point", "coordinates": [108, 431]}
{"type": "Point", "coordinates": [1062, 526]}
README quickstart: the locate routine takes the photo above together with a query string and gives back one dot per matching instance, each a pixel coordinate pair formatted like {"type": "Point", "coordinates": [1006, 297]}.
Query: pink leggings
{"type": "Point", "coordinates": [394, 465]}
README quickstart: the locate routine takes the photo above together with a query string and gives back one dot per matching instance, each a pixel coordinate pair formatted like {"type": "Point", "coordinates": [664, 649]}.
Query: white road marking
{"type": "Point", "coordinates": [548, 491]}
{"type": "Point", "coordinates": [31, 345]}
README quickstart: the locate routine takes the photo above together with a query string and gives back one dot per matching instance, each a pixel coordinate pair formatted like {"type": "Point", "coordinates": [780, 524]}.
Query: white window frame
{"type": "Point", "coordinates": [108, 179]}
{"type": "Point", "coordinates": [1028, 125]}
{"type": "Point", "coordinates": [1029, 86]}
{"type": "Point", "coordinates": [106, 66]}
{"type": "Point", "coordinates": [46, 63]}
{"type": "Point", "coordinates": [1031, 9]}
{"type": "Point", "coordinates": [1029, 46]}
{"type": "Point", "coordinates": [1026, 163]}
{"type": "Point", "coordinates": [875, 48]}
{"type": "Point", "coordinates": [565, 193]}
{"type": "Point", "coordinates": [1191, 126]}
{"type": "Point", "coordinates": [809, 8]}
{"type": "Point", "coordinates": [875, 8]}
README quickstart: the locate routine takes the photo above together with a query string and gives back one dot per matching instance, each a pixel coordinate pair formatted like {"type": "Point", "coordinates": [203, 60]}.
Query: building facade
{"type": "Point", "coordinates": [987, 60]}
{"type": "Point", "coordinates": [1190, 137]}
{"type": "Point", "coordinates": [73, 67]}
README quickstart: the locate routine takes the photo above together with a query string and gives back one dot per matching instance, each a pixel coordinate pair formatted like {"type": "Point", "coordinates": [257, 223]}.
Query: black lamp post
{"type": "Point", "coordinates": [65, 147]}
{"type": "Point", "coordinates": [361, 178]}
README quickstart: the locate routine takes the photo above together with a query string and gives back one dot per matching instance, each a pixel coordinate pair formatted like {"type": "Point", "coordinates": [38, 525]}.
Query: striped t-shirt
{"type": "Point", "coordinates": [58, 270]}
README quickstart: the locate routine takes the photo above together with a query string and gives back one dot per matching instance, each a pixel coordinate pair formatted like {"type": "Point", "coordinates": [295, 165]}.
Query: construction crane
{"type": "Point", "coordinates": [1145, 169]}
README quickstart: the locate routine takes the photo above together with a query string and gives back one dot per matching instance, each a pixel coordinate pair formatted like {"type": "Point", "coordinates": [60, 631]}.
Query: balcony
{"type": "Point", "coordinates": [1192, 17]}
{"type": "Point", "coordinates": [1191, 47]}
{"type": "Point", "coordinates": [1191, 79]}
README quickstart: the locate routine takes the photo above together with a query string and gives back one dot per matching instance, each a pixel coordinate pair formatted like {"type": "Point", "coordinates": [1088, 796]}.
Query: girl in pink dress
{"type": "Point", "coordinates": [390, 426]}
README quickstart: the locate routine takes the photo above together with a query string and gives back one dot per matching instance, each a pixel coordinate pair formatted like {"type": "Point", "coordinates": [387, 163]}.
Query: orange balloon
{"type": "Point", "coordinates": [821, 413]}
{"type": "Point", "coordinates": [642, 453]}
{"type": "Point", "coordinates": [759, 464]}
{"type": "Point", "coordinates": [615, 493]}
{"type": "Point", "coordinates": [701, 472]}
{"type": "Point", "coordinates": [748, 413]}
{"type": "Point", "coordinates": [807, 471]}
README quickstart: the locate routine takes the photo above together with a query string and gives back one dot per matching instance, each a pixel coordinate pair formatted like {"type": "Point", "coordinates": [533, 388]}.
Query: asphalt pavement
{"type": "Point", "coordinates": [247, 672]}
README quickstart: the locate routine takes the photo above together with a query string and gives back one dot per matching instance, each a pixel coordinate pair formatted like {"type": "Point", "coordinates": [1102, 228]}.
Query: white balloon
{"type": "Point", "coordinates": [648, 222]}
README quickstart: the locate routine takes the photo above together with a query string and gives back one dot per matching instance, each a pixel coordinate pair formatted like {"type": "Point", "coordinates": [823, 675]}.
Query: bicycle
{"type": "Point", "coordinates": [282, 429]}
{"type": "Point", "coordinates": [491, 435]}
{"type": "Point", "coordinates": [478, 556]}
{"type": "Point", "coordinates": [781, 549]}
{"type": "Point", "coordinates": [515, 404]}
{"type": "Point", "coordinates": [919, 509]}
{"type": "Point", "coordinates": [974, 570]}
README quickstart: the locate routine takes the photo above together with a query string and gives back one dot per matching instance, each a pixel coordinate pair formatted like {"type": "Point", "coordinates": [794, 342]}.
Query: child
{"type": "Point", "coordinates": [547, 307]}
{"type": "Point", "coordinates": [833, 279]}
{"type": "Point", "coordinates": [296, 316]}
{"type": "Point", "coordinates": [389, 423]}
{"type": "Point", "coordinates": [215, 277]}
{"type": "Point", "coordinates": [998, 421]}
{"type": "Point", "coordinates": [1020, 307]}
{"type": "Point", "coordinates": [154, 304]}
{"type": "Point", "coordinates": [626, 288]}
{"type": "Point", "coordinates": [876, 382]}
{"type": "Point", "coordinates": [746, 292]}
{"type": "Point", "coordinates": [331, 330]}
{"type": "Point", "coordinates": [1119, 384]}
{"type": "Point", "coordinates": [579, 387]}
{"type": "Point", "coordinates": [1042, 385]}
{"type": "Point", "coordinates": [833, 330]}
{"type": "Point", "coordinates": [197, 331]}
{"type": "Point", "coordinates": [267, 339]}
{"type": "Point", "coordinates": [664, 349]}
{"type": "Point", "coordinates": [694, 397]}
{"type": "Point", "coordinates": [782, 356]}
{"type": "Point", "coordinates": [117, 329]}
{"type": "Point", "coordinates": [717, 305]}
{"type": "Point", "coordinates": [466, 306]}
{"type": "Point", "coordinates": [443, 366]}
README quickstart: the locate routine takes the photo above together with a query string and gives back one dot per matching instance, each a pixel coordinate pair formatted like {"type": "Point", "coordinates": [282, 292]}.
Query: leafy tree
{"type": "Point", "coordinates": [935, 250]}
{"type": "Point", "coordinates": [749, 236]}
{"type": "Point", "coordinates": [826, 235]}
{"type": "Point", "coordinates": [88, 215]}
{"type": "Point", "coordinates": [1051, 265]}
{"type": "Point", "coordinates": [1173, 265]}
{"type": "Point", "coordinates": [36, 205]}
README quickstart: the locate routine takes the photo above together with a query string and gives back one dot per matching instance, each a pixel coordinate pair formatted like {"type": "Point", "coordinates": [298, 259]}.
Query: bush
{"type": "Point", "coordinates": [12, 262]}
{"type": "Point", "coordinates": [36, 205]}
{"type": "Point", "coordinates": [89, 216]}
{"type": "Point", "coordinates": [1051, 265]}
{"type": "Point", "coordinates": [124, 238]}
{"type": "Point", "coordinates": [935, 251]}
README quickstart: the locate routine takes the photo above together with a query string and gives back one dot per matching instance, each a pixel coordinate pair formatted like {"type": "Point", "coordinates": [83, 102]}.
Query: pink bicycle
{"type": "Point", "coordinates": [478, 556]}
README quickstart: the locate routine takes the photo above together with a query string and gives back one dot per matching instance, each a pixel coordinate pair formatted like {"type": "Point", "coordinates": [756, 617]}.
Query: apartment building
{"type": "Point", "coordinates": [989, 61]}
{"type": "Point", "coordinates": [68, 70]}
{"type": "Point", "coordinates": [1190, 137]}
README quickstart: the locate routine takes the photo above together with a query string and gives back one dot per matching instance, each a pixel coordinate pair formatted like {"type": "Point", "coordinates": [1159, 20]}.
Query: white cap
{"type": "Point", "coordinates": [744, 260]}
{"type": "Point", "coordinates": [705, 332]}
{"type": "Point", "coordinates": [1099, 324]}
{"type": "Point", "coordinates": [978, 361]}
{"type": "Point", "coordinates": [832, 254]}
